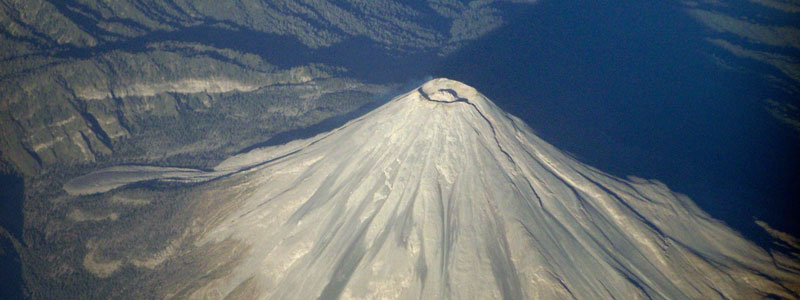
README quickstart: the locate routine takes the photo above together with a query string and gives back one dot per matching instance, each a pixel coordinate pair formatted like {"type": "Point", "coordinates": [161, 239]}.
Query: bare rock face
{"type": "Point", "coordinates": [439, 194]}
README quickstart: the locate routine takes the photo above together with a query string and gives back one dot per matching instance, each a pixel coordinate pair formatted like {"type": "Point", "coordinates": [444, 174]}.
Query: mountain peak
{"type": "Point", "coordinates": [447, 91]}
{"type": "Point", "coordinates": [444, 99]}
{"type": "Point", "coordinates": [452, 198]}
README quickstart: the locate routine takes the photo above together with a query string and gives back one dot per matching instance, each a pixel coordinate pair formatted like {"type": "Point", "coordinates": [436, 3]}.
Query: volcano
{"type": "Point", "coordinates": [439, 194]}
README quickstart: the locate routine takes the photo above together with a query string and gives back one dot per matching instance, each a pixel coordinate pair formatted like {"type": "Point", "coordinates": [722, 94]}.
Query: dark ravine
{"type": "Point", "coordinates": [11, 229]}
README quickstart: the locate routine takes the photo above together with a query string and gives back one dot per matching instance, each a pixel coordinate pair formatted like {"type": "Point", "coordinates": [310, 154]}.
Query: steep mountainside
{"type": "Point", "coordinates": [149, 135]}
{"type": "Point", "coordinates": [436, 194]}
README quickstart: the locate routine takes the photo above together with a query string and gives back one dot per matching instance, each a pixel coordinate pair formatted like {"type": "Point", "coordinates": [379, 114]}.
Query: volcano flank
{"type": "Point", "coordinates": [440, 194]}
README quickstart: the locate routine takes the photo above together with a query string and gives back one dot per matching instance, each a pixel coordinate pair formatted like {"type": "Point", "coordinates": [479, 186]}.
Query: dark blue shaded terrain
{"type": "Point", "coordinates": [631, 88]}
{"type": "Point", "coordinates": [11, 196]}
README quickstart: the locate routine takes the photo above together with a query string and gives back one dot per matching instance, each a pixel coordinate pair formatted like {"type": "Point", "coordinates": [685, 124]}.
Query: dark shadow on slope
{"type": "Point", "coordinates": [11, 282]}
{"type": "Point", "coordinates": [631, 88]}
{"type": "Point", "coordinates": [362, 58]}
{"type": "Point", "coordinates": [11, 200]}
{"type": "Point", "coordinates": [11, 197]}
{"type": "Point", "coordinates": [282, 51]}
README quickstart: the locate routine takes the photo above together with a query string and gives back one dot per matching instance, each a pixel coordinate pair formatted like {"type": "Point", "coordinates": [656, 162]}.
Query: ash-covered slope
{"type": "Point", "coordinates": [439, 194]}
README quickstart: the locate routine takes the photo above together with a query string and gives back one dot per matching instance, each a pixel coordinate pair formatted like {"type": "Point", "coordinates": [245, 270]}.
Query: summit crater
{"type": "Point", "coordinates": [447, 90]}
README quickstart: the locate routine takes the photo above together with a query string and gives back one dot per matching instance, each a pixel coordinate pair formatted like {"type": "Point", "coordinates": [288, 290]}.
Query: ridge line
{"type": "Point", "coordinates": [465, 100]}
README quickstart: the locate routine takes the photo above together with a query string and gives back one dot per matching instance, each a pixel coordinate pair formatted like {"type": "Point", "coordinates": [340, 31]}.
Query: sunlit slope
{"type": "Point", "coordinates": [440, 194]}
